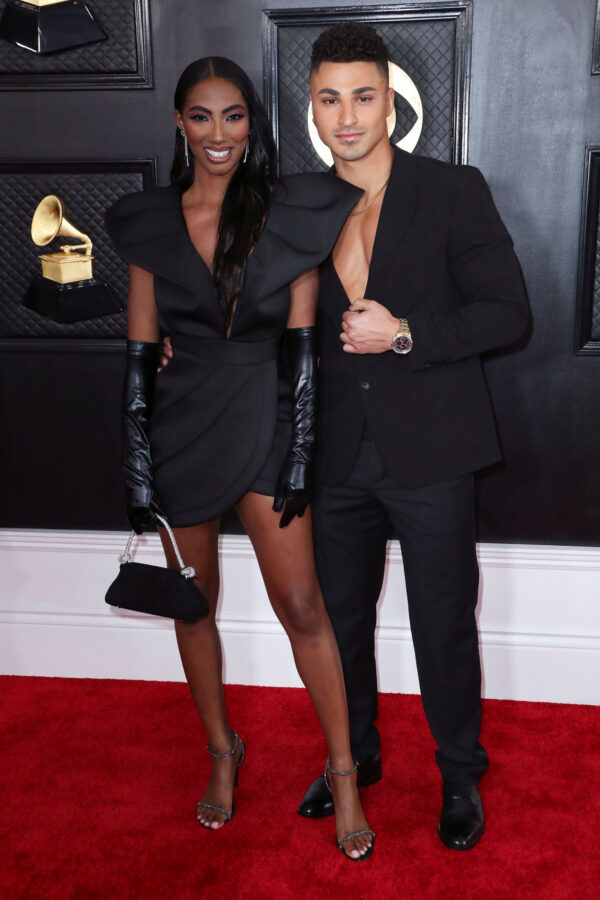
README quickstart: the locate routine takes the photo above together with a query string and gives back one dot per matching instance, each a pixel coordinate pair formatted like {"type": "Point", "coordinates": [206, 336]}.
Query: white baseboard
{"type": "Point", "coordinates": [539, 618]}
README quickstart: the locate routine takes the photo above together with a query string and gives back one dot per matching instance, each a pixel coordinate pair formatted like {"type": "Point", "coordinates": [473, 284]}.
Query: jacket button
{"type": "Point", "coordinates": [365, 385]}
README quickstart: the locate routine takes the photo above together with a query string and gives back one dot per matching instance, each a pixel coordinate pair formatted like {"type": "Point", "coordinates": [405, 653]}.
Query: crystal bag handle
{"type": "Point", "coordinates": [186, 571]}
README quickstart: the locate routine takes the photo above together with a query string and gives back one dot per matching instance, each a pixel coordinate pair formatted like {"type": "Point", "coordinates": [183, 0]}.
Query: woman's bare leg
{"type": "Point", "coordinates": [200, 648]}
{"type": "Point", "coordinates": [285, 556]}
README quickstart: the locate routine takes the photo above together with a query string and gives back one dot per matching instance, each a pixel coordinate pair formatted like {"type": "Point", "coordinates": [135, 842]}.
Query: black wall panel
{"type": "Point", "coordinates": [59, 453]}
{"type": "Point", "coordinates": [534, 108]}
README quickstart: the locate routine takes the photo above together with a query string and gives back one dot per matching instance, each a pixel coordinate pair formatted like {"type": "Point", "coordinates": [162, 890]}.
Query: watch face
{"type": "Point", "coordinates": [402, 343]}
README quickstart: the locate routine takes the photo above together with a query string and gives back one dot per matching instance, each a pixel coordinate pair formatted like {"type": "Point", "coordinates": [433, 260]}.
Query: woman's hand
{"type": "Point", "coordinates": [293, 492]}
{"type": "Point", "coordinates": [166, 353]}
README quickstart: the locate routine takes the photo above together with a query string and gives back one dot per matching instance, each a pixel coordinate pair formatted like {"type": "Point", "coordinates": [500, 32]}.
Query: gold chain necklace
{"type": "Point", "coordinates": [359, 212]}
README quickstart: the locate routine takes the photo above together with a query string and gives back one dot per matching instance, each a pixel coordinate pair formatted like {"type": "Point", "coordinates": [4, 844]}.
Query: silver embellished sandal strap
{"type": "Point", "coordinates": [236, 743]}
{"type": "Point", "coordinates": [220, 809]}
{"type": "Point", "coordinates": [328, 768]}
{"type": "Point", "coordinates": [355, 834]}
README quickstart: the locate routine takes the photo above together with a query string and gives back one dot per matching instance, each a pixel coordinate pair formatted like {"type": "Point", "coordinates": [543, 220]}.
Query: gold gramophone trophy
{"type": "Point", "coordinates": [47, 26]}
{"type": "Point", "coordinates": [66, 291]}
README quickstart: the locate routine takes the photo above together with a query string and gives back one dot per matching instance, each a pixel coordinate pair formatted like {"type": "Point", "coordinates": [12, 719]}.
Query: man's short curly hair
{"type": "Point", "coordinates": [350, 42]}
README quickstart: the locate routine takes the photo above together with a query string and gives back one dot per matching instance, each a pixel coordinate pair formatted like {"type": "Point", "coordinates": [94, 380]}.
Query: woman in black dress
{"type": "Point", "coordinates": [224, 261]}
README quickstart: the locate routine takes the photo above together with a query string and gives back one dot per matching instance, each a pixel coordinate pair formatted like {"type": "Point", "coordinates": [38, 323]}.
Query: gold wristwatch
{"type": "Point", "coordinates": [402, 341]}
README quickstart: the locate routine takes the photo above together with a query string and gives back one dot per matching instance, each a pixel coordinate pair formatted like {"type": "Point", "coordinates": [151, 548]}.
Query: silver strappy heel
{"type": "Point", "coordinates": [353, 834]}
{"type": "Point", "coordinates": [228, 815]}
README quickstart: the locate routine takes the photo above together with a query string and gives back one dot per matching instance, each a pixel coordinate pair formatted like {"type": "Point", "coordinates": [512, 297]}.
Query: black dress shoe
{"type": "Point", "coordinates": [318, 801]}
{"type": "Point", "coordinates": [461, 822]}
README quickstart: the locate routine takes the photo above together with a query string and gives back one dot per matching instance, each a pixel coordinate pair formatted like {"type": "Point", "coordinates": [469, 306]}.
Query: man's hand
{"type": "Point", "coordinates": [166, 353]}
{"type": "Point", "coordinates": [368, 327]}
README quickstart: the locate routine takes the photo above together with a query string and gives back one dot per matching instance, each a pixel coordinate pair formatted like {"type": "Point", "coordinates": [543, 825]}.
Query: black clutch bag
{"type": "Point", "coordinates": [157, 591]}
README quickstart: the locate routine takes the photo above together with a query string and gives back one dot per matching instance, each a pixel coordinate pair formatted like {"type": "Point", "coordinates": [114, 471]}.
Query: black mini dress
{"type": "Point", "coordinates": [220, 422]}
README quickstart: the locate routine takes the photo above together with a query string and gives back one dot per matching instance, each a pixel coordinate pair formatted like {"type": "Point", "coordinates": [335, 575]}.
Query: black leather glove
{"type": "Point", "coordinates": [138, 391]}
{"type": "Point", "coordinates": [294, 487]}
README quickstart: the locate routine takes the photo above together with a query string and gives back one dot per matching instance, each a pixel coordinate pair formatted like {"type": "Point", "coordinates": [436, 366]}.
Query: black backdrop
{"type": "Point", "coordinates": [533, 110]}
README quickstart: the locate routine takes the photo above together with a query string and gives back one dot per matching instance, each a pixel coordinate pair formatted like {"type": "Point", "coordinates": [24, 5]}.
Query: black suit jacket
{"type": "Point", "coordinates": [443, 259]}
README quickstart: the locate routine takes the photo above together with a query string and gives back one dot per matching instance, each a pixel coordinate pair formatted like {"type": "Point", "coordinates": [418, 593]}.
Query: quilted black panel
{"type": "Point", "coordinates": [425, 48]}
{"type": "Point", "coordinates": [118, 55]}
{"type": "Point", "coordinates": [595, 332]}
{"type": "Point", "coordinates": [587, 326]}
{"type": "Point", "coordinates": [86, 195]}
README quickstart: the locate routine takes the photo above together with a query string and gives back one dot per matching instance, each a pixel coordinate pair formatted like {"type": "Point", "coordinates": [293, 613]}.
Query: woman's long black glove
{"type": "Point", "coordinates": [294, 487]}
{"type": "Point", "coordinates": [138, 392]}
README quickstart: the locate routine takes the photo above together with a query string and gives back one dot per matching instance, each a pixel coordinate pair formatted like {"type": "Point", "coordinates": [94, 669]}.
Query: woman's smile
{"type": "Point", "coordinates": [218, 155]}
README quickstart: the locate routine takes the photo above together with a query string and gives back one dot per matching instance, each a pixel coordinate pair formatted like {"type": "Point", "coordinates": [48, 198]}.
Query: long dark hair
{"type": "Point", "coordinates": [248, 194]}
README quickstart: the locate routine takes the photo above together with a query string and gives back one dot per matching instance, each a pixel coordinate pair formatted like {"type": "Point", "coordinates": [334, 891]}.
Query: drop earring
{"type": "Point", "coordinates": [185, 147]}
{"type": "Point", "coordinates": [246, 151]}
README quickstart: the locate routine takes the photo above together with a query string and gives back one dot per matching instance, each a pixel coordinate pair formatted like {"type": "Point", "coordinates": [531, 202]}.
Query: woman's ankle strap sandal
{"type": "Point", "coordinates": [221, 809]}
{"type": "Point", "coordinates": [203, 804]}
{"type": "Point", "coordinates": [329, 769]}
{"type": "Point", "coordinates": [355, 834]}
{"type": "Point", "coordinates": [236, 744]}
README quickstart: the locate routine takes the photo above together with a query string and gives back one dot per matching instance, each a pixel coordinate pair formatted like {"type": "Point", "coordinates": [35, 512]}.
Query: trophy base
{"type": "Point", "coordinates": [74, 302]}
{"type": "Point", "coordinates": [48, 29]}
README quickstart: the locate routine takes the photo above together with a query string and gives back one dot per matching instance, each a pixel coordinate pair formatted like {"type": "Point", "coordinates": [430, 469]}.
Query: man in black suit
{"type": "Point", "coordinates": [422, 280]}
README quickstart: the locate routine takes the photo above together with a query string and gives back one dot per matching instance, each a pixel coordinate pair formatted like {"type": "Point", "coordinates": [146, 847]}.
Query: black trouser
{"type": "Point", "coordinates": [436, 528]}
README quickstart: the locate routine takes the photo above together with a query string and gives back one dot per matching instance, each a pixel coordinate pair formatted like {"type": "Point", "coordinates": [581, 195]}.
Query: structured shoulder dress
{"type": "Point", "coordinates": [221, 415]}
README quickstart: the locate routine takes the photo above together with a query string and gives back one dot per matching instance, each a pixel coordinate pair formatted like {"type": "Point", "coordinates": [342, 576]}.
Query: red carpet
{"type": "Point", "coordinates": [99, 782]}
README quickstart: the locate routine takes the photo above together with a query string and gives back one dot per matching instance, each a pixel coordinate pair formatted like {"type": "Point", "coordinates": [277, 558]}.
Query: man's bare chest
{"type": "Point", "coordinates": [354, 249]}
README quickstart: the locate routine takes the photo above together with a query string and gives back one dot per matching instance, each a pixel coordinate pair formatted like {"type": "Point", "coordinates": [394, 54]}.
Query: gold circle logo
{"type": "Point", "coordinates": [403, 85]}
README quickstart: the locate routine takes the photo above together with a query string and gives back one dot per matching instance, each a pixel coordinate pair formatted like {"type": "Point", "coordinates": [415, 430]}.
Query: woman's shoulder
{"type": "Point", "coordinates": [141, 203]}
{"type": "Point", "coordinates": [142, 217]}
{"type": "Point", "coordinates": [316, 190]}
{"type": "Point", "coordinates": [306, 216]}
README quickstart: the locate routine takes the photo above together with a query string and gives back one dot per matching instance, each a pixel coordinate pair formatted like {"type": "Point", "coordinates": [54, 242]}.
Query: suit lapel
{"type": "Point", "coordinates": [398, 207]}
